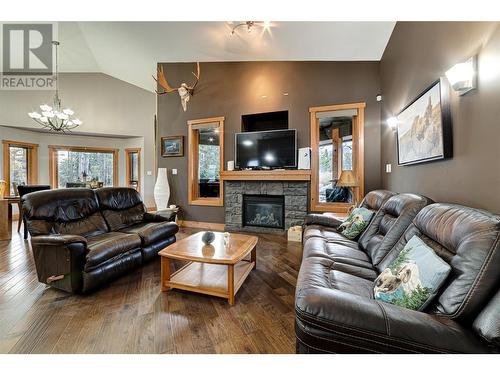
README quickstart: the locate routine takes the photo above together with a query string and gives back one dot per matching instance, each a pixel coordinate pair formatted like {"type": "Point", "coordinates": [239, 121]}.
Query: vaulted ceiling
{"type": "Point", "coordinates": [130, 51]}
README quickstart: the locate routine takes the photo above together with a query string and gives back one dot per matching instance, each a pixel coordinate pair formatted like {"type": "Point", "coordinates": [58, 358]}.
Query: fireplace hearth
{"type": "Point", "coordinates": [264, 211]}
{"type": "Point", "coordinates": [291, 207]}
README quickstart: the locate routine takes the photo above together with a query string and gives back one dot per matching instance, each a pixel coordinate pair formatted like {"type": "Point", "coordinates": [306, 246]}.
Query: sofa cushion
{"type": "Point", "coordinates": [336, 311]}
{"type": "Point", "coordinates": [106, 246]}
{"type": "Point", "coordinates": [321, 272]}
{"type": "Point", "coordinates": [356, 222]}
{"type": "Point", "coordinates": [121, 207]}
{"type": "Point", "coordinates": [413, 279]}
{"type": "Point", "coordinates": [375, 199]}
{"type": "Point", "coordinates": [468, 240]}
{"type": "Point", "coordinates": [327, 233]}
{"type": "Point", "coordinates": [320, 225]}
{"type": "Point", "coordinates": [389, 223]}
{"type": "Point", "coordinates": [152, 232]}
{"type": "Point", "coordinates": [346, 249]}
{"type": "Point", "coordinates": [63, 211]}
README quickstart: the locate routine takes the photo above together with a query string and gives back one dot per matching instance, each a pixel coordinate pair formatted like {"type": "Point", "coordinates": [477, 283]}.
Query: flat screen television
{"type": "Point", "coordinates": [266, 149]}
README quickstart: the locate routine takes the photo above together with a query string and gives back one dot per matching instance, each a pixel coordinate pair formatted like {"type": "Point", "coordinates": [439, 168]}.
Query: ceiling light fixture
{"type": "Point", "coordinates": [249, 25]}
{"type": "Point", "coordinates": [55, 118]}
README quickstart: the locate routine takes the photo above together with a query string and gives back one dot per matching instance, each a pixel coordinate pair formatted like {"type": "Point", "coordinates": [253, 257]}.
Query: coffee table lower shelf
{"type": "Point", "coordinates": [220, 280]}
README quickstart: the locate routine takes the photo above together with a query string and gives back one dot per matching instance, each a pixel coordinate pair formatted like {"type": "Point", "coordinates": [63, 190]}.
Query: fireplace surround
{"type": "Point", "coordinates": [292, 193]}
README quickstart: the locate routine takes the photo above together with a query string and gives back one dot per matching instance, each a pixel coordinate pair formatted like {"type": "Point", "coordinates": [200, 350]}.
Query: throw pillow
{"type": "Point", "coordinates": [356, 222]}
{"type": "Point", "coordinates": [413, 279]}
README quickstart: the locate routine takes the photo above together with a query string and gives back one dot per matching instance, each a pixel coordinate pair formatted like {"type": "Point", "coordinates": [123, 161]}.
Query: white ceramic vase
{"type": "Point", "coordinates": [162, 189]}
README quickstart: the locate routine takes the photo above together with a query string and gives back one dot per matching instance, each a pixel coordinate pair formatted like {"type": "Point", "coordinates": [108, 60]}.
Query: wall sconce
{"type": "Point", "coordinates": [393, 123]}
{"type": "Point", "coordinates": [463, 76]}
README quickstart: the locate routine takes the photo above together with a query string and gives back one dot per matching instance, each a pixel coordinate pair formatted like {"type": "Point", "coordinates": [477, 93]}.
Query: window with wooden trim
{"type": "Point", "coordinates": [71, 166]}
{"type": "Point", "coordinates": [337, 156]}
{"type": "Point", "coordinates": [205, 161]}
{"type": "Point", "coordinates": [20, 164]}
{"type": "Point", "coordinates": [133, 168]}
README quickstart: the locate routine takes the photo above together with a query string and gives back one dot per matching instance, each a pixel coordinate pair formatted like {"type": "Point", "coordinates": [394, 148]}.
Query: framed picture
{"type": "Point", "coordinates": [172, 146]}
{"type": "Point", "coordinates": [424, 127]}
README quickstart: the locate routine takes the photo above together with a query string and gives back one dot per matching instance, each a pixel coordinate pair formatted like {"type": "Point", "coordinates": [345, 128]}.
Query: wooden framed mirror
{"type": "Point", "coordinates": [206, 161]}
{"type": "Point", "coordinates": [337, 156]}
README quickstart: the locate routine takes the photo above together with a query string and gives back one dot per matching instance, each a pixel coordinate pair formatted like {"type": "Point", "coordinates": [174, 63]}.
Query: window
{"type": "Point", "coordinates": [133, 168]}
{"type": "Point", "coordinates": [206, 161]}
{"type": "Point", "coordinates": [83, 166]}
{"type": "Point", "coordinates": [20, 164]}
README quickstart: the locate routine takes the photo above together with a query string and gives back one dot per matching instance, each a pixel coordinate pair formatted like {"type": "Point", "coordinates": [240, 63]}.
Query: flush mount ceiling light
{"type": "Point", "coordinates": [463, 76]}
{"type": "Point", "coordinates": [250, 25]}
{"type": "Point", "coordinates": [56, 118]}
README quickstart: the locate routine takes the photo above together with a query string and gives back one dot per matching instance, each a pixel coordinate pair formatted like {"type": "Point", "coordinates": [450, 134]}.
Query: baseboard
{"type": "Point", "coordinates": [201, 224]}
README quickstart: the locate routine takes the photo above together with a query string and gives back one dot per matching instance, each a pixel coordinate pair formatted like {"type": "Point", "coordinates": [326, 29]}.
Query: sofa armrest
{"type": "Point", "coordinates": [376, 326]}
{"type": "Point", "coordinates": [320, 219]}
{"type": "Point", "coordinates": [58, 239]}
{"type": "Point", "coordinates": [159, 216]}
{"type": "Point", "coordinates": [60, 260]}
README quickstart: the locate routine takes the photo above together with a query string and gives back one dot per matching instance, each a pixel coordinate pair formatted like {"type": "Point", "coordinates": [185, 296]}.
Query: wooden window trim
{"type": "Point", "coordinates": [53, 173]}
{"type": "Point", "coordinates": [358, 158]}
{"type": "Point", "coordinates": [129, 151]}
{"type": "Point", "coordinates": [32, 161]}
{"type": "Point", "coordinates": [193, 198]}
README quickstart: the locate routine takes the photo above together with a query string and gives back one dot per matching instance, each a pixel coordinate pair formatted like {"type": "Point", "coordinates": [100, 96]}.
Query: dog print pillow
{"type": "Point", "coordinates": [413, 279]}
{"type": "Point", "coordinates": [356, 222]}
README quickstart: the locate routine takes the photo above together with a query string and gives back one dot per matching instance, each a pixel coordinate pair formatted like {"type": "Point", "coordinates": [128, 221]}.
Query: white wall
{"type": "Point", "coordinates": [105, 104]}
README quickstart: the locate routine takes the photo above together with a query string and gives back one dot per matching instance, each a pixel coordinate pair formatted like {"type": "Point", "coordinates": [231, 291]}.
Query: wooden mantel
{"type": "Point", "coordinates": [278, 175]}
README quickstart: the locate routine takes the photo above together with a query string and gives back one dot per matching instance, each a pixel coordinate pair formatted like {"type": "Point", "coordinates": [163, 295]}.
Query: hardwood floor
{"type": "Point", "coordinates": [131, 315]}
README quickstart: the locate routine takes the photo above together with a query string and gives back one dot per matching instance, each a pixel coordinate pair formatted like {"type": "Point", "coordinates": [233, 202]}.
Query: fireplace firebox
{"type": "Point", "coordinates": [264, 211]}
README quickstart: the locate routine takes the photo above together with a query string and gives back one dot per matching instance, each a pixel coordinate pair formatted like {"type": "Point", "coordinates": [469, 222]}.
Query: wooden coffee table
{"type": "Point", "coordinates": [213, 269]}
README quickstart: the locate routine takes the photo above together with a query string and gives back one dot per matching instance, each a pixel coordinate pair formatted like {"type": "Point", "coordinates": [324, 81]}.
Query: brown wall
{"type": "Point", "coordinates": [235, 88]}
{"type": "Point", "coordinates": [418, 53]}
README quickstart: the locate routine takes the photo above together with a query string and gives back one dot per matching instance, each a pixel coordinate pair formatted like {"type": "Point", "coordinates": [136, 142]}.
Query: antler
{"type": "Point", "coordinates": [197, 76]}
{"type": "Point", "coordinates": [162, 81]}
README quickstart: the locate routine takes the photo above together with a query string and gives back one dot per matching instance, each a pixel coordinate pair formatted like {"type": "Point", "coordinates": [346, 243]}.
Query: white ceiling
{"type": "Point", "coordinates": [130, 50]}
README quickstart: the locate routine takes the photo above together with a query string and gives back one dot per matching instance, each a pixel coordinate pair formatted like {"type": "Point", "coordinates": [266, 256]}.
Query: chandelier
{"type": "Point", "coordinates": [56, 118]}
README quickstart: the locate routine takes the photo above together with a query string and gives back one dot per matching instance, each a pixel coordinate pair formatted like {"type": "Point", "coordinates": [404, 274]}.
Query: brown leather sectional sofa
{"type": "Point", "coordinates": [84, 238]}
{"type": "Point", "coordinates": [336, 311]}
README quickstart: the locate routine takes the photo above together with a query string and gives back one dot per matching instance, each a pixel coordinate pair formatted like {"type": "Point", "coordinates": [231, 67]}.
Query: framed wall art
{"type": "Point", "coordinates": [172, 146]}
{"type": "Point", "coordinates": [424, 127]}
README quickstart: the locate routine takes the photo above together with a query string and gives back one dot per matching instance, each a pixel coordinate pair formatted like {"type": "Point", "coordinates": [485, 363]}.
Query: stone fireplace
{"type": "Point", "coordinates": [264, 206]}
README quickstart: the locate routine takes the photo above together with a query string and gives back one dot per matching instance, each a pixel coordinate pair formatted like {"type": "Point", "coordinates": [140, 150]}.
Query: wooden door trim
{"type": "Point", "coordinates": [358, 157]}
{"type": "Point", "coordinates": [193, 198]}
{"type": "Point", "coordinates": [32, 162]}
{"type": "Point", "coordinates": [129, 151]}
{"type": "Point", "coordinates": [53, 165]}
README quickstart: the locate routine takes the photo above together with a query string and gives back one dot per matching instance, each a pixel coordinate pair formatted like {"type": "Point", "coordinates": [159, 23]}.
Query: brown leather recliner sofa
{"type": "Point", "coordinates": [83, 238]}
{"type": "Point", "coordinates": [336, 311]}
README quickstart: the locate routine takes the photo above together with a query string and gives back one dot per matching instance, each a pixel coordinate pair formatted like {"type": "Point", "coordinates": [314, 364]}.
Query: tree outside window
{"type": "Point", "coordinates": [18, 167]}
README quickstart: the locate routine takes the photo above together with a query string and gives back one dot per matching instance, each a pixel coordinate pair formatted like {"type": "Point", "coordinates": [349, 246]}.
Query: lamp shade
{"type": "Point", "coordinates": [347, 178]}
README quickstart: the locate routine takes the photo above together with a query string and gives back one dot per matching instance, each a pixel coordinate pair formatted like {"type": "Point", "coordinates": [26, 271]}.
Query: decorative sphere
{"type": "Point", "coordinates": [208, 237]}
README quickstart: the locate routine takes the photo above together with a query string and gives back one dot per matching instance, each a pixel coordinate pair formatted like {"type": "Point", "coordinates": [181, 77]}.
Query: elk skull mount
{"type": "Point", "coordinates": [184, 90]}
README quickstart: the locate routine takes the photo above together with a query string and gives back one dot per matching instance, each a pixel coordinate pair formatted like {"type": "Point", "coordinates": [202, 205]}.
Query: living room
{"type": "Point", "coordinates": [198, 186]}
